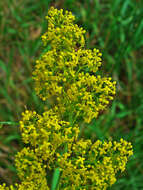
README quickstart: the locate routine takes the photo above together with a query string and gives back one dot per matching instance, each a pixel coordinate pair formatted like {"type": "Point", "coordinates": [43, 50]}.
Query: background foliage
{"type": "Point", "coordinates": [114, 27]}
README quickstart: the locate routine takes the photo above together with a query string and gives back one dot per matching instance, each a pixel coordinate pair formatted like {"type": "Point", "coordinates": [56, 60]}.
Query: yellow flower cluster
{"type": "Point", "coordinates": [3, 187]}
{"type": "Point", "coordinates": [93, 166]}
{"type": "Point", "coordinates": [31, 172]}
{"type": "Point", "coordinates": [62, 33]}
{"type": "Point", "coordinates": [67, 73]}
{"type": "Point", "coordinates": [47, 134]}
{"type": "Point", "coordinates": [55, 144]}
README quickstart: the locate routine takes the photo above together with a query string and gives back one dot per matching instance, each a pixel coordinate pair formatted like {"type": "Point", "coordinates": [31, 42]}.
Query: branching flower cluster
{"type": "Point", "coordinates": [67, 74]}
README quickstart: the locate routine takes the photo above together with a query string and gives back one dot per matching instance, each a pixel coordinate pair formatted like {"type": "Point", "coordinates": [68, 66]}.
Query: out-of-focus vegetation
{"type": "Point", "coordinates": [114, 27]}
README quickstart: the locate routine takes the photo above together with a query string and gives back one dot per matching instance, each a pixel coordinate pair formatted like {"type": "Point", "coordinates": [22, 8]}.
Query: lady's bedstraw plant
{"type": "Point", "coordinates": [67, 74]}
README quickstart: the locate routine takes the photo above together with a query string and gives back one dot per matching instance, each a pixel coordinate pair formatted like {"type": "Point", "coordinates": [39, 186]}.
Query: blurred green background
{"type": "Point", "coordinates": [113, 26]}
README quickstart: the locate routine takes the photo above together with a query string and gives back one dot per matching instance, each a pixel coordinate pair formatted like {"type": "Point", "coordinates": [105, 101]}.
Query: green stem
{"type": "Point", "coordinates": [55, 180]}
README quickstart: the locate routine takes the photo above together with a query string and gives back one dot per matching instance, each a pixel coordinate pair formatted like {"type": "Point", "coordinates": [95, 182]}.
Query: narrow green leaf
{"type": "Point", "coordinates": [8, 123]}
{"type": "Point", "coordinates": [123, 114]}
{"type": "Point", "coordinates": [124, 7]}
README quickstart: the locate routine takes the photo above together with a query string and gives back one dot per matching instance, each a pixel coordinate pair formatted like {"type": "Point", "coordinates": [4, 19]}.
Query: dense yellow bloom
{"type": "Point", "coordinates": [70, 77]}
{"type": "Point", "coordinates": [47, 134]}
{"type": "Point", "coordinates": [25, 185]}
{"type": "Point", "coordinates": [4, 187]}
{"type": "Point", "coordinates": [62, 33]}
{"type": "Point", "coordinates": [89, 165]}
{"type": "Point", "coordinates": [31, 185]}
{"type": "Point", "coordinates": [29, 165]}
{"type": "Point", "coordinates": [31, 170]}
{"type": "Point", "coordinates": [67, 74]}
{"type": "Point", "coordinates": [55, 143]}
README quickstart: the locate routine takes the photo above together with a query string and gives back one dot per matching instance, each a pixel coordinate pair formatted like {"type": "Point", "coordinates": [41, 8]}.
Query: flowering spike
{"type": "Point", "coordinates": [67, 73]}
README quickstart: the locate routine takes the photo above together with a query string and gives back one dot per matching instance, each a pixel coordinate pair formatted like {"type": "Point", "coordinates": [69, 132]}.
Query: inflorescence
{"type": "Point", "coordinates": [67, 73]}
